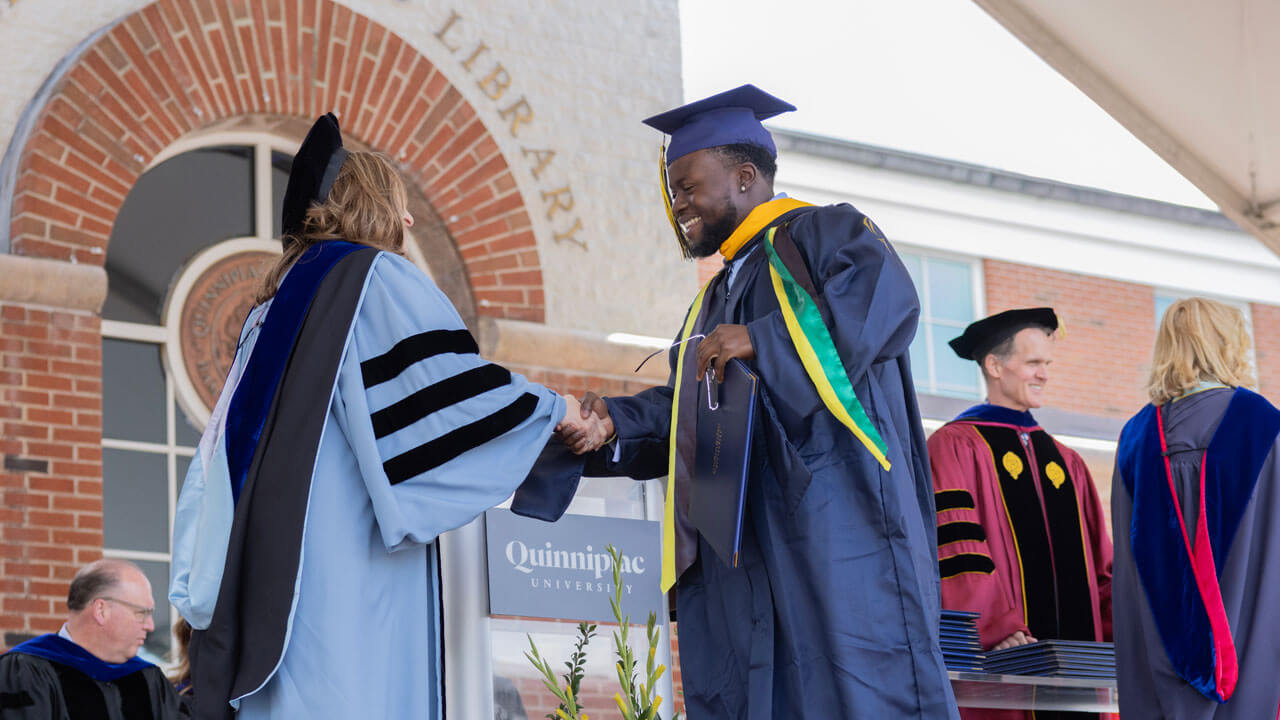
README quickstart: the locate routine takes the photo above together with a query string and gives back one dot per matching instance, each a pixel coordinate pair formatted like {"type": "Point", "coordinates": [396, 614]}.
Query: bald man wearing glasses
{"type": "Point", "coordinates": [90, 668]}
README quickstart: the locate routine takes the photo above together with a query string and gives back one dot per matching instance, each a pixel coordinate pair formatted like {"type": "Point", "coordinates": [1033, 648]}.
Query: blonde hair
{"type": "Point", "coordinates": [1198, 340]}
{"type": "Point", "coordinates": [365, 206]}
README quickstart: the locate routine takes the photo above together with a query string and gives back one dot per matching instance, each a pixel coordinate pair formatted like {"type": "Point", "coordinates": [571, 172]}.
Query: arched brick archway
{"type": "Point", "coordinates": [178, 66]}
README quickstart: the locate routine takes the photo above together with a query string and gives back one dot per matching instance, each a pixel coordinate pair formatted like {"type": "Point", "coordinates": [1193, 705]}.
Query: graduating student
{"type": "Point", "coordinates": [1194, 506]}
{"type": "Point", "coordinates": [833, 610]}
{"type": "Point", "coordinates": [357, 425]}
{"type": "Point", "coordinates": [1021, 535]}
{"type": "Point", "coordinates": [89, 670]}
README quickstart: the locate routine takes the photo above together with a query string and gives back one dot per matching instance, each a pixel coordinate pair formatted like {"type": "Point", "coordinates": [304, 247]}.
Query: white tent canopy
{"type": "Point", "coordinates": [1193, 79]}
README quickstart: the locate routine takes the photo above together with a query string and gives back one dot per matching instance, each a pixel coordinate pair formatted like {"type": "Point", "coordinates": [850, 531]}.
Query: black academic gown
{"type": "Point", "coordinates": [834, 610]}
{"type": "Point", "coordinates": [76, 686]}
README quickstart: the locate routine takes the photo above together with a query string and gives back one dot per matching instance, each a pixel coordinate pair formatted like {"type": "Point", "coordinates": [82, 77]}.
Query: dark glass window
{"type": "Point", "coordinates": [281, 163]}
{"type": "Point", "coordinates": [132, 391]}
{"type": "Point", "coordinates": [176, 209]}
{"type": "Point", "coordinates": [183, 464]}
{"type": "Point", "coordinates": [185, 431]}
{"type": "Point", "coordinates": [135, 501]}
{"type": "Point", "coordinates": [159, 641]}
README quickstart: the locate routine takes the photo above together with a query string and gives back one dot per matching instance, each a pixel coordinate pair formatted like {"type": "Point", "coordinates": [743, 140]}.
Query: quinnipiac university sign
{"type": "Point", "coordinates": [562, 570]}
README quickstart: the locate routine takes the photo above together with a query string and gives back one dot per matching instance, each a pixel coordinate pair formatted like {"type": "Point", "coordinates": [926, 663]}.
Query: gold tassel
{"type": "Point", "coordinates": [666, 200]}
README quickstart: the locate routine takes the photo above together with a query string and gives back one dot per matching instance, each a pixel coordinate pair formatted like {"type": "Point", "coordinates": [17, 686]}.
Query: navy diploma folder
{"type": "Point", "coordinates": [722, 457]}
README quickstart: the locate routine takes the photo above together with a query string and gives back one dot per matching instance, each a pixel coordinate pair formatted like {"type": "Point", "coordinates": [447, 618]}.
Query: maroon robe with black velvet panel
{"type": "Point", "coordinates": [1022, 539]}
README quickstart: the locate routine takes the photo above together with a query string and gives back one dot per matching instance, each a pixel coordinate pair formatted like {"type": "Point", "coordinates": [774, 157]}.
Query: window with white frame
{"type": "Point", "coordinates": [191, 199]}
{"type": "Point", "coordinates": [1165, 298]}
{"type": "Point", "coordinates": [950, 299]}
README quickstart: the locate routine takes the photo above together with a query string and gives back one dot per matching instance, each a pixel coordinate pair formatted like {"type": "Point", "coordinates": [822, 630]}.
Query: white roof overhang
{"type": "Point", "coordinates": [1195, 80]}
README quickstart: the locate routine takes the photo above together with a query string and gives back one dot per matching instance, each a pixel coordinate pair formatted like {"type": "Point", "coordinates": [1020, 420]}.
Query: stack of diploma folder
{"type": "Point", "coordinates": [959, 640]}
{"type": "Point", "coordinates": [1056, 658]}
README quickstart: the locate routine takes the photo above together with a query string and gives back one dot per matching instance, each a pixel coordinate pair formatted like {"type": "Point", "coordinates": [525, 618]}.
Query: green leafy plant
{"type": "Point", "coordinates": [636, 698]}
{"type": "Point", "coordinates": [637, 701]}
{"type": "Point", "coordinates": [568, 695]}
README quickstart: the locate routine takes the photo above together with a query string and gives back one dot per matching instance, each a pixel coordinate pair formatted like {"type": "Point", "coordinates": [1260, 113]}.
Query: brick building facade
{"type": "Point", "coordinates": [481, 106]}
{"type": "Point", "coordinates": [1108, 263]}
{"type": "Point", "coordinates": [519, 140]}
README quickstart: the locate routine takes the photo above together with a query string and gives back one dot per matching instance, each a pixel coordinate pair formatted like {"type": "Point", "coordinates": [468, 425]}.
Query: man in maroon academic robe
{"type": "Point", "coordinates": [1021, 535]}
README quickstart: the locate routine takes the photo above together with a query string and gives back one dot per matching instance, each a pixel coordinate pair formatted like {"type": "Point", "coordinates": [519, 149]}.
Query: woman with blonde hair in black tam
{"type": "Point", "coordinates": [1197, 549]}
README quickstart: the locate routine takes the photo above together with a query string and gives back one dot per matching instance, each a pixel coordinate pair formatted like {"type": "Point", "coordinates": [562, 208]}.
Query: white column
{"type": "Point", "coordinates": [654, 496]}
{"type": "Point", "coordinates": [467, 652]}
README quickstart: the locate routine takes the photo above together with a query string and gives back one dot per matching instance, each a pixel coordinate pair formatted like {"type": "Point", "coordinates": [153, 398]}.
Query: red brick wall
{"type": "Point", "coordinates": [1266, 338]}
{"type": "Point", "coordinates": [677, 682]}
{"type": "Point", "coordinates": [1101, 361]}
{"type": "Point", "coordinates": [177, 66]}
{"type": "Point", "coordinates": [707, 269]}
{"type": "Point", "coordinates": [51, 438]}
{"type": "Point", "coordinates": [594, 695]}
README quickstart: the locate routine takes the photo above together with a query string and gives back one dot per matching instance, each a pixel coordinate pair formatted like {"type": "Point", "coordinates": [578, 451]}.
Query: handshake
{"type": "Point", "coordinates": [586, 425]}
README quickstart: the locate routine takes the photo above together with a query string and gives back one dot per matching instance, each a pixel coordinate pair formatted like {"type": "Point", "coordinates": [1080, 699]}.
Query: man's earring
{"type": "Point", "coordinates": [742, 188]}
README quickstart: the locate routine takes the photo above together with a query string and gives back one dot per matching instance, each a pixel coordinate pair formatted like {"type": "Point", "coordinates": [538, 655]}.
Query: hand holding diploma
{"type": "Point", "coordinates": [723, 344]}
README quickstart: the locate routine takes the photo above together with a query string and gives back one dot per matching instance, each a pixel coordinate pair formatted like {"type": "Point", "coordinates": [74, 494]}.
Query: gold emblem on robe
{"type": "Point", "coordinates": [1012, 464]}
{"type": "Point", "coordinates": [1056, 474]}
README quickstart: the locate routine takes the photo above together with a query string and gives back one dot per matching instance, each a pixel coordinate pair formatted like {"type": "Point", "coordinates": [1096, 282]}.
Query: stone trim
{"type": "Point", "coordinates": [52, 283]}
{"type": "Point", "coordinates": [534, 345]}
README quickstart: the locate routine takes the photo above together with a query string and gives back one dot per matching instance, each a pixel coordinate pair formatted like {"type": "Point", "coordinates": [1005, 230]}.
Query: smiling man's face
{"type": "Point", "coordinates": [1018, 380]}
{"type": "Point", "coordinates": [703, 191]}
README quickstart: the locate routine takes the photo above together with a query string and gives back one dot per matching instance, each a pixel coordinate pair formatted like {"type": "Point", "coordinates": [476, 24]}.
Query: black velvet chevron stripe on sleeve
{"type": "Point", "coordinates": [965, 563]}
{"type": "Point", "coordinates": [954, 499]}
{"type": "Point", "coordinates": [412, 349]}
{"type": "Point", "coordinates": [441, 450]}
{"type": "Point", "coordinates": [433, 398]}
{"type": "Point", "coordinates": [957, 531]}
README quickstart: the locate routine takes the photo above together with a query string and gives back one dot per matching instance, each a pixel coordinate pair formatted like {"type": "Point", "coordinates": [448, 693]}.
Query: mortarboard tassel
{"type": "Point", "coordinates": [666, 200]}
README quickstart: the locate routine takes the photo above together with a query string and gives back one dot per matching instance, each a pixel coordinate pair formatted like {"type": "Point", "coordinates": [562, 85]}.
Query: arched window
{"type": "Point", "coordinates": [180, 269]}
{"type": "Point", "coordinates": [186, 250]}
{"type": "Point", "coordinates": [226, 189]}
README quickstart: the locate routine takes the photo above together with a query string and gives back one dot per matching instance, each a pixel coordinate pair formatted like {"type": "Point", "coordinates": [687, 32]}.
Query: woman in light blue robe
{"type": "Point", "coordinates": [357, 424]}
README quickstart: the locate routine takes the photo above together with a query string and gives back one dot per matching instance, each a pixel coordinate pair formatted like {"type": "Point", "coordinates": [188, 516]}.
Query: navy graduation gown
{"type": "Point", "coordinates": [833, 612]}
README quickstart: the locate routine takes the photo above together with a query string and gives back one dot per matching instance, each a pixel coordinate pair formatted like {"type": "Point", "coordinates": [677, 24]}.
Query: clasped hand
{"type": "Point", "coordinates": [586, 425]}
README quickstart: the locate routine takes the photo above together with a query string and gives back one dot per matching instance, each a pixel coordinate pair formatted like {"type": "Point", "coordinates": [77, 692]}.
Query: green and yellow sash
{"type": "Point", "coordinates": [819, 356]}
{"type": "Point", "coordinates": [813, 343]}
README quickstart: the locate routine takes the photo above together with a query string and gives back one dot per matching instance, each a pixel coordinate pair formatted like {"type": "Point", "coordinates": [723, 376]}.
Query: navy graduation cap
{"type": "Point", "coordinates": [981, 336]}
{"type": "Point", "coordinates": [315, 167]}
{"type": "Point", "coordinates": [728, 118]}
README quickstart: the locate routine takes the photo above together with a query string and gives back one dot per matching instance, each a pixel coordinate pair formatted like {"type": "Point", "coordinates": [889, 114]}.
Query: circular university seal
{"type": "Point", "coordinates": [204, 314]}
